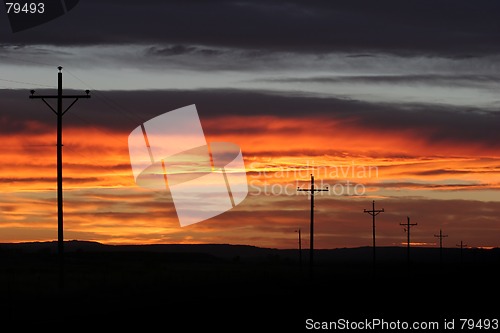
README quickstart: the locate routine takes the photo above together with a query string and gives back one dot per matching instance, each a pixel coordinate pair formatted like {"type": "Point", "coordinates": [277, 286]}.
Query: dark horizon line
{"type": "Point", "coordinates": [403, 246]}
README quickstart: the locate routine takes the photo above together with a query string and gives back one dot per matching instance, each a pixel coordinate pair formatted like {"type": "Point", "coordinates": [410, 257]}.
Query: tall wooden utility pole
{"type": "Point", "coordinates": [59, 113]}
{"type": "Point", "coordinates": [441, 236]}
{"type": "Point", "coordinates": [408, 226]}
{"type": "Point", "coordinates": [461, 245]}
{"type": "Point", "coordinates": [312, 190]}
{"type": "Point", "coordinates": [374, 212]}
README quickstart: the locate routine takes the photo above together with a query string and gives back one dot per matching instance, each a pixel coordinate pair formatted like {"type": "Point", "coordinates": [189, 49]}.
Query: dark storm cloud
{"type": "Point", "coordinates": [210, 58]}
{"type": "Point", "coordinates": [465, 80]}
{"type": "Point", "coordinates": [176, 50]}
{"type": "Point", "coordinates": [123, 111]}
{"type": "Point", "coordinates": [49, 180]}
{"type": "Point", "coordinates": [458, 28]}
{"type": "Point", "coordinates": [427, 186]}
{"type": "Point", "coordinates": [439, 172]}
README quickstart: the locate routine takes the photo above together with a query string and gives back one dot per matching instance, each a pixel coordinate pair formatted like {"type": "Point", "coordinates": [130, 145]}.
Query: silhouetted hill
{"type": "Point", "coordinates": [227, 287]}
{"type": "Point", "coordinates": [247, 252]}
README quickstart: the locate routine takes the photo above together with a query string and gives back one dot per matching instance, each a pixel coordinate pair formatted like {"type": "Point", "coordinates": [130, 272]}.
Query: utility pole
{"type": "Point", "coordinates": [407, 226]}
{"type": "Point", "coordinates": [462, 251]}
{"type": "Point", "coordinates": [60, 113]}
{"type": "Point", "coordinates": [441, 236]}
{"type": "Point", "coordinates": [374, 212]}
{"type": "Point", "coordinates": [312, 190]}
{"type": "Point", "coordinates": [300, 248]}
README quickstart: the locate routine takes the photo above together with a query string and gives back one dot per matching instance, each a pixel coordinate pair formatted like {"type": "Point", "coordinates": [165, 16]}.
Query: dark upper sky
{"type": "Point", "coordinates": [430, 65]}
{"type": "Point", "coordinates": [454, 28]}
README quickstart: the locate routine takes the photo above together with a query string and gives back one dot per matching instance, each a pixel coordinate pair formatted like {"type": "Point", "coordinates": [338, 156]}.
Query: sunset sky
{"type": "Point", "coordinates": [392, 101]}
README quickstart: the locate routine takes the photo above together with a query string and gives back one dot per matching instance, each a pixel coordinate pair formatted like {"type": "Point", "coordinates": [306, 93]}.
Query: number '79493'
{"type": "Point", "coordinates": [25, 8]}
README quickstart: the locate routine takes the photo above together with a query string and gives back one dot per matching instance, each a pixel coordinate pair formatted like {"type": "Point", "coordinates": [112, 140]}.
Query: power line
{"type": "Point", "coordinates": [101, 97]}
{"type": "Point", "coordinates": [27, 83]}
{"type": "Point", "coordinates": [110, 102]}
{"type": "Point", "coordinates": [20, 59]}
{"type": "Point", "coordinates": [95, 92]}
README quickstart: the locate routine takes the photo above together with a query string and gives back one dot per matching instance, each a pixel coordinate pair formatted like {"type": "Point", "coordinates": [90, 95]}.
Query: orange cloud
{"type": "Point", "coordinates": [103, 203]}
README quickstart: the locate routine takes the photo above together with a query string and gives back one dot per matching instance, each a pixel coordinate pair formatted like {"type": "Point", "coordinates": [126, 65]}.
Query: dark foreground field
{"type": "Point", "coordinates": [237, 288]}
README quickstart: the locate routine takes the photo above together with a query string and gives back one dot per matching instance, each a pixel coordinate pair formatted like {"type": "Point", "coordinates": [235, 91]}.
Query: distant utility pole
{"type": "Point", "coordinates": [312, 190]}
{"type": "Point", "coordinates": [374, 212]}
{"type": "Point", "coordinates": [462, 251]}
{"type": "Point", "coordinates": [408, 226]}
{"type": "Point", "coordinates": [441, 236]}
{"type": "Point", "coordinates": [60, 113]}
{"type": "Point", "coordinates": [300, 248]}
